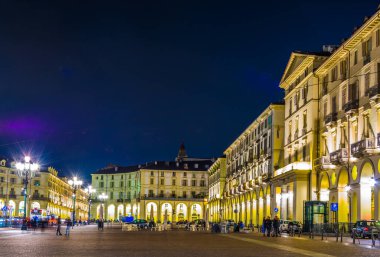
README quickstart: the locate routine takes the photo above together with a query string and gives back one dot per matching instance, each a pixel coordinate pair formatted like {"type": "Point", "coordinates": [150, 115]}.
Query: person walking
{"type": "Point", "coordinates": [268, 226]}
{"type": "Point", "coordinates": [68, 226]}
{"type": "Point", "coordinates": [59, 222]}
{"type": "Point", "coordinates": [276, 226]}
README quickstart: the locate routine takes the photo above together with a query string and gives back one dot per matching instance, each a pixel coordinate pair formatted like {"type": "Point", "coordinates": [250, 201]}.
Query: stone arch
{"type": "Point", "coordinates": [120, 211]}
{"type": "Point", "coordinates": [151, 211]}
{"type": "Point", "coordinates": [12, 204]}
{"type": "Point", "coordinates": [128, 210]}
{"type": "Point", "coordinates": [166, 212]}
{"type": "Point", "coordinates": [367, 190]}
{"type": "Point", "coordinates": [344, 200]}
{"type": "Point", "coordinates": [111, 212]}
{"type": "Point", "coordinates": [20, 208]}
{"type": "Point", "coordinates": [182, 212]}
{"type": "Point", "coordinates": [324, 186]}
{"type": "Point", "coordinates": [196, 211]}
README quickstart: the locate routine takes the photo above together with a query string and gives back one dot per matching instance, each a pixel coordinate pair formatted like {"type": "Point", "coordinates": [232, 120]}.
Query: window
{"type": "Point", "coordinates": [162, 193]}
{"type": "Point", "coordinates": [334, 109]}
{"type": "Point", "coordinates": [120, 195]}
{"type": "Point", "coordinates": [173, 194]}
{"type": "Point", "coordinates": [325, 109]}
{"type": "Point", "coordinates": [366, 47]}
{"type": "Point", "coordinates": [112, 177]}
{"type": "Point", "coordinates": [184, 182]}
{"type": "Point", "coordinates": [356, 57]}
{"type": "Point", "coordinates": [111, 184]}
{"type": "Point", "coordinates": [173, 174]}
{"type": "Point", "coordinates": [304, 118]}
{"type": "Point", "coordinates": [203, 183]}
{"type": "Point", "coordinates": [196, 165]}
{"type": "Point", "coordinates": [162, 182]}
{"type": "Point", "coordinates": [13, 181]}
{"type": "Point", "coordinates": [122, 176]}
{"type": "Point", "coordinates": [101, 177]}
{"type": "Point", "coordinates": [344, 96]}
{"type": "Point", "coordinates": [101, 184]}
{"type": "Point", "coordinates": [1, 179]}
{"type": "Point", "coordinates": [334, 74]}
{"type": "Point", "coordinates": [184, 195]}
{"type": "Point", "coordinates": [366, 83]}
{"type": "Point", "coordinates": [324, 85]}
{"type": "Point", "coordinates": [162, 173]}
{"type": "Point", "coordinates": [37, 183]}
{"type": "Point", "coordinates": [173, 182]}
{"type": "Point", "coordinates": [193, 183]}
{"type": "Point", "coordinates": [343, 69]}
{"type": "Point", "coordinates": [111, 195]}
{"type": "Point", "coordinates": [121, 184]}
{"type": "Point", "coordinates": [304, 153]}
{"type": "Point", "coordinates": [152, 173]}
{"type": "Point", "coordinates": [193, 194]}
{"type": "Point", "coordinates": [184, 174]}
{"type": "Point", "coordinates": [290, 106]}
{"type": "Point", "coordinates": [128, 195]}
{"type": "Point", "coordinates": [150, 193]}
{"type": "Point", "coordinates": [377, 38]}
{"type": "Point", "coordinates": [152, 181]}
{"type": "Point", "coordinates": [129, 183]}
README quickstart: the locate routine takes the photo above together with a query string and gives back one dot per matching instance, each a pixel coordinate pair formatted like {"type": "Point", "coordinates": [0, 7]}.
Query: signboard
{"type": "Point", "coordinates": [334, 207]}
{"type": "Point", "coordinates": [276, 210]}
{"type": "Point", "coordinates": [127, 219]}
{"type": "Point", "coordinates": [5, 208]}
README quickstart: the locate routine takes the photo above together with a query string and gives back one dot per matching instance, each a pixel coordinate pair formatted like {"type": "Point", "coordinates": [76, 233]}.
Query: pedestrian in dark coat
{"type": "Point", "coordinates": [276, 225]}
{"type": "Point", "coordinates": [59, 222]}
{"type": "Point", "coordinates": [268, 225]}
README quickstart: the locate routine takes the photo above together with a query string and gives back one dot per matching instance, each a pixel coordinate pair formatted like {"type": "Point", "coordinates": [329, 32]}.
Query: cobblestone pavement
{"type": "Point", "coordinates": [88, 241]}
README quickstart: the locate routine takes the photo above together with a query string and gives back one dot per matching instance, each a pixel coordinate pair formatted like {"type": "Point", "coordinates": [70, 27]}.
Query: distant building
{"type": "Point", "coordinates": [175, 190]}
{"type": "Point", "coordinates": [216, 184]}
{"type": "Point", "coordinates": [47, 193]}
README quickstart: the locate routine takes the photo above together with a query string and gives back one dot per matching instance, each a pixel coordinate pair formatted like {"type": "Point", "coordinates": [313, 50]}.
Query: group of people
{"type": "Point", "coordinates": [271, 227]}
{"type": "Point", "coordinates": [69, 224]}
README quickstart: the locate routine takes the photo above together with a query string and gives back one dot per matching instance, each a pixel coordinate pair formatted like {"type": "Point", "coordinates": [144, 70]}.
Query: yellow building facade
{"type": "Point", "coordinates": [250, 163]}
{"type": "Point", "coordinates": [349, 120]}
{"type": "Point", "coordinates": [216, 184]}
{"type": "Point", "coordinates": [160, 190]}
{"type": "Point", "coordinates": [47, 192]}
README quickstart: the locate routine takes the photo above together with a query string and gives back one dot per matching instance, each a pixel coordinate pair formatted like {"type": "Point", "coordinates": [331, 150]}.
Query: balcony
{"type": "Point", "coordinates": [352, 106]}
{"type": "Point", "coordinates": [366, 59]}
{"type": "Point", "coordinates": [373, 93]}
{"type": "Point", "coordinates": [323, 162]}
{"type": "Point", "coordinates": [339, 156]}
{"type": "Point", "coordinates": [363, 147]}
{"type": "Point", "coordinates": [331, 119]}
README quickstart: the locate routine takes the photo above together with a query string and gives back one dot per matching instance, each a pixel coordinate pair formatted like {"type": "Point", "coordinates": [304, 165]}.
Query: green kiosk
{"type": "Point", "coordinates": [315, 212]}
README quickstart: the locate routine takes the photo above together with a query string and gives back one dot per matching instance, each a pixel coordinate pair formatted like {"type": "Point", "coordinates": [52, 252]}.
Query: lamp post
{"type": "Point", "coordinates": [102, 198]}
{"type": "Point", "coordinates": [75, 183]}
{"type": "Point", "coordinates": [26, 170]}
{"type": "Point", "coordinates": [89, 190]}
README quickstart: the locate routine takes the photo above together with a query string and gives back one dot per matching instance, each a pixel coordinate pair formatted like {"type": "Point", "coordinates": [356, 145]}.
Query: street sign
{"type": "Point", "coordinates": [5, 208]}
{"type": "Point", "coordinates": [275, 209]}
{"type": "Point", "coordinates": [334, 207]}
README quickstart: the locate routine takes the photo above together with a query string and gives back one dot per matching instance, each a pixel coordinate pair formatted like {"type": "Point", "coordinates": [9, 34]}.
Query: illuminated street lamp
{"type": "Point", "coordinates": [102, 198]}
{"type": "Point", "coordinates": [89, 190]}
{"type": "Point", "coordinates": [75, 183]}
{"type": "Point", "coordinates": [26, 170]}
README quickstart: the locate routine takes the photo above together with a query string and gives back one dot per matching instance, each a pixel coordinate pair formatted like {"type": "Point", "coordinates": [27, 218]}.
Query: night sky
{"type": "Point", "coordinates": [88, 83]}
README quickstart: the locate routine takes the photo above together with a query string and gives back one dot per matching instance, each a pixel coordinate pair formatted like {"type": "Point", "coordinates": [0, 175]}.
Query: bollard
{"type": "Point", "coordinates": [353, 237]}
{"type": "Point", "coordinates": [322, 233]}
{"type": "Point", "coordinates": [341, 236]}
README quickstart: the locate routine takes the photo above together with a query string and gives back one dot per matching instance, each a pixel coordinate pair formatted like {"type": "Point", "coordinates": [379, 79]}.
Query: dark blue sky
{"type": "Point", "coordinates": [97, 82]}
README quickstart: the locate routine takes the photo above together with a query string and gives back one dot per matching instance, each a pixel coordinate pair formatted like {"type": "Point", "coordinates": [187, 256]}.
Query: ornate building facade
{"type": "Point", "coordinates": [216, 183]}
{"type": "Point", "coordinates": [251, 161]}
{"type": "Point", "coordinates": [172, 190]}
{"type": "Point", "coordinates": [47, 193]}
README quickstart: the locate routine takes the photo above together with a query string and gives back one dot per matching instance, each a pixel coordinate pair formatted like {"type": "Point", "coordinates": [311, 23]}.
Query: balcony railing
{"type": "Point", "coordinates": [331, 118]}
{"type": "Point", "coordinates": [373, 92]}
{"type": "Point", "coordinates": [339, 156]}
{"type": "Point", "coordinates": [362, 147]}
{"type": "Point", "coordinates": [351, 106]}
{"type": "Point", "coordinates": [324, 160]}
{"type": "Point", "coordinates": [366, 59]}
